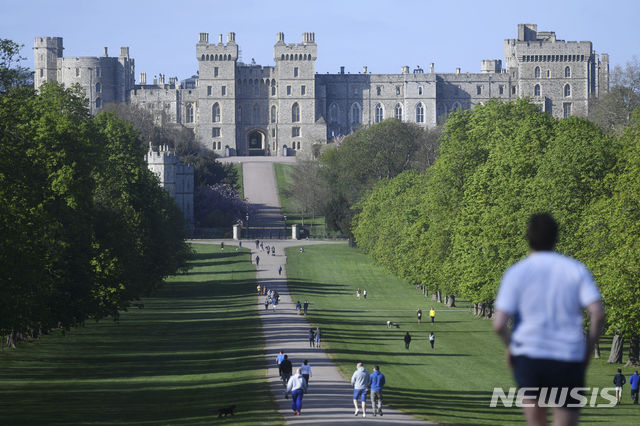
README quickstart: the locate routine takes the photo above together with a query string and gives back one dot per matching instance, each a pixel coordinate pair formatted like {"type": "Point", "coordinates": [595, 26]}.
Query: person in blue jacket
{"type": "Point", "coordinates": [377, 383]}
{"type": "Point", "coordinates": [634, 381]}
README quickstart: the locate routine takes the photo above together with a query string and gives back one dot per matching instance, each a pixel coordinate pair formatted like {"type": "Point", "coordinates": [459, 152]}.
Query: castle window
{"type": "Point", "coordinates": [567, 90]}
{"type": "Point", "coordinates": [379, 90]}
{"type": "Point", "coordinates": [333, 113]}
{"type": "Point", "coordinates": [98, 72]}
{"type": "Point", "coordinates": [398, 112]}
{"type": "Point", "coordinates": [513, 90]}
{"type": "Point", "coordinates": [273, 90]}
{"type": "Point", "coordinates": [548, 74]}
{"type": "Point", "coordinates": [215, 132]}
{"type": "Point", "coordinates": [273, 132]}
{"type": "Point", "coordinates": [419, 90]}
{"type": "Point", "coordinates": [208, 90]}
{"type": "Point", "coordinates": [41, 72]}
{"type": "Point", "coordinates": [295, 132]}
{"type": "Point", "coordinates": [223, 90]}
{"type": "Point", "coordinates": [98, 103]}
{"type": "Point", "coordinates": [188, 112]}
{"type": "Point", "coordinates": [478, 90]}
{"type": "Point", "coordinates": [536, 72]}
{"type": "Point", "coordinates": [356, 114]}
{"type": "Point", "coordinates": [239, 115]}
{"type": "Point", "coordinates": [501, 89]}
{"type": "Point", "coordinates": [282, 57]}
{"type": "Point", "coordinates": [397, 90]}
{"type": "Point", "coordinates": [273, 113]}
{"type": "Point", "coordinates": [295, 113]}
{"type": "Point", "coordinates": [215, 71]}
{"type": "Point", "coordinates": [98, 87]}
{"type": "Point", "coordinates": [356, 90]}
{"type": "Point", "coordinates": [298, 145]}
{"type": "Point", "coordinates": [303, 90]}
{"type": "Point", "coordinates": [295, 71]}
{"type": "Point", "coordinates": [256, 91]}
{"type": "Point", "coordinates": [536, 90]}
{"type": "Point", "coordinates": [567, 72]}
{"type": "Point", "coordinates": [215, 113]}
{"type": "Point", "coordinates": [379, 114]}
{"type": "Point", "coordinates": [77, 72]}
{"type": "Point", "coordinates": [256, 114]}
{"type": "Point", "coordinates": [420, 113]}
{"type": "Point", "coordinates": [289, 90]}
{"type": "Point", "coordinates": [566, 109]}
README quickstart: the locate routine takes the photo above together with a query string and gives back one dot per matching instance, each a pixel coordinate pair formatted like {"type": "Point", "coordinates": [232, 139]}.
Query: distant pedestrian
{"type": "Point", "coordinates": [266, 303]}
{"type": "Point", "coordinates": [634, 381]}
{"type": "Point", "coordinates": [285, 368]}
{"type": "Point", "coordinates": [312, 338]}
{"type": "Point", "coordinates": [360, 380]}
{"type": "Point", "coordinates": [407, 340]}
{"type": "Point", "coordinates": [280, 270]}
{"type": "Point", "coordinates": [298, 307]}
{"type": "Point", "coordinates": [257, 244]}
{"type": "Point", "coordinates": [221, 245]}
{"type": "Point", "coordinates": [274, 303]}
{"type": "Point", "coordinates": [317, 340]}
{"type": "Point", "coordinates": [432, 339]}
{"type": "Point", "coordinates": [618, 381]}
{"type": "Point", "coordinates": [261, 246]}
{"type": "Point", "coordinates": [358, 293]}
{"type": "Point", "coordinates": [432, 315]}
{"type": "Point", "coordinates": [259, 288]}
{"type": "Point", "coordinates": [240, 244]}
{"type": "Point", "coordinates": [297, 385]}
{"type": "Point", "coordinates": [257, 260]}
{"type": "Point", "coordinates": [280, 357]}
{"type": "Point", "coordinates": [419, 316]}
{"type": "Point", "coordinates": [364, 293]}
{"type": "Point", "coordinates": [305, 370]}
{"type": "Point", "coordinates": [305, 306]}
{"type": "Point", "coordinates": [377, 383]}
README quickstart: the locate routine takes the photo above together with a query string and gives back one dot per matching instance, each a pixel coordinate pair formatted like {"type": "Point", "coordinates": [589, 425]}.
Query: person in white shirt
{"type": "Point", "coordinates": [544, 295]}
{"type": "Point", "coordinates": [297, 386]}
{"type": "Point", "coordinates": [306, 370]}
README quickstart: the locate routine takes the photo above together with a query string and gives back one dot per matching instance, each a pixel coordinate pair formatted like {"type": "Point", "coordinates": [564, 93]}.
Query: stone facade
{"type": "Point", "coordinates": [175, 177]}
{"type": "Point", "coordinates": [247, 109]}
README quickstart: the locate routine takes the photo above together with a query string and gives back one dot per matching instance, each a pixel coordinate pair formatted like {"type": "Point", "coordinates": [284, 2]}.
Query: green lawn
{"type": "Point", "coordinates": [240, 182]}
{"type": "Point", "coordinates": [194, 348]}
{"type": "Point", "coordinates": [451, 384]}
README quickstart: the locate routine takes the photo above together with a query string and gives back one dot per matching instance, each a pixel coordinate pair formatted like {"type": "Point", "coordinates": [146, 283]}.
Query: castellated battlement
{"type": "Point", "coordinates": [217, 52]}
{"type": "Point", "coordinates": [305, 51]}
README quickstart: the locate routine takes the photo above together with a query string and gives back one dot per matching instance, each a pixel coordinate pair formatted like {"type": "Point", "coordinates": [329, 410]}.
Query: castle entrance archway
{"type": "Point", "coordinates": [256, 142]}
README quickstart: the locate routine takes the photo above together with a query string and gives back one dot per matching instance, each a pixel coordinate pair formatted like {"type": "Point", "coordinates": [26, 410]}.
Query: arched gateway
{"type": "Point", "coordinates": [256, 142]}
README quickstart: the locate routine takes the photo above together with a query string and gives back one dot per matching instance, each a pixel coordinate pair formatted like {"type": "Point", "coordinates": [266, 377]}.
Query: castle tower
{"type": "Point", "coordinates": [216, 127]}
{"type": "Point", "coordinates": [46, 51]}
{"type": "Point", "coordinates": [296, 93]}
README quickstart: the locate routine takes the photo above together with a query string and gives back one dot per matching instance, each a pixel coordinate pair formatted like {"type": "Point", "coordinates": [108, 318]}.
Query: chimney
{"type": "Point", "coordinates": [280, 37]}
{"type": "Point", "coordinates": [155, 80]}
{"type": "Point", "coordinates": [431, 67]}
{"type": "Point", "coordinates": [124, 52]}
{"type": "Point", "coordinates": [204, 38]}
{"type": "Point", "coordinates": [342, 70]}
{"type": "Point", "coordinates": [143, 78]}
{"type": "Point", "coordinates": [220, 39]}
{"type": "Point", "coordinates": [106, 54]}
{"type": "Point", "coordinates": [364, 69]}
{"type": "Point", "coordinates": [231, 38]}
{"type": "Point", "coordinates": [458, 70]}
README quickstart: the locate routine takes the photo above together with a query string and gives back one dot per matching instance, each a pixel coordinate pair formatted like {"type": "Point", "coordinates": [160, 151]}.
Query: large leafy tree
{"type": "Point", "coordinates": [12, 74]}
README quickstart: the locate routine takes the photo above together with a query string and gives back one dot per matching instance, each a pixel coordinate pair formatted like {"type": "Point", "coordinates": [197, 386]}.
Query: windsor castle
{"type": "Point", "coordinates": [247, 109]}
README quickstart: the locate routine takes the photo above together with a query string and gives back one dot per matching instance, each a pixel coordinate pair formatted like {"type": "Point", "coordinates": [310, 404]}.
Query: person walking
{"type": "Point", "coordinates": [312, 338]}
{"type": "Point", "coordinates": [377, 383]}
{"type": "Point", "coordinates": [285, 368]}
{"type": "Point", "coordinates": [266, 303]}
{"type": "Point", "coordinates": [259, 288]}
{"type": "Point", "coordinates": [239, 244]}
{"type": "Point", "coordinates": [280, 357]}
{"type": "Point", "coordinates": [360, 380]}
{"type": "Point", "coordinates": [407, 340]}
{"type": "Point", "coordinates": [257, 261]}
{"type": "Point", "coordinates": [297, 386]}
{"type": "Point", "coordinates": [257, 244]}
{"type": "Point", "coordinates": [358, 293]}
{"type": "Point", "coordinates": [317, 339]}
{"type": "Point", "coordinates": [634, 381]}
{"type": "Point", "coordinates": [432, 339]}
{"type": "Point", "coordinates": [364, 294]}
{"type": "Point", "coordinates": [274, 303]}
{"type": "Point", "coordinates": [221, 245]}
{"type": "Point", "coordinates": [280, 270]}
{"type": "Point", "coordinates": [305, 370]}
{"type": "Point", "coordinates": [305, 306]}
{"type": "Point", "coordinates": [298, 307]}
{"type": "Point", "coordinates": [547, 292]}
{"type": "Point", "coordinates": [419, 316]}
{"type": "Point", "coordinates": [618, 381]}
{"type": "Point", "coordinates": [432, 315]}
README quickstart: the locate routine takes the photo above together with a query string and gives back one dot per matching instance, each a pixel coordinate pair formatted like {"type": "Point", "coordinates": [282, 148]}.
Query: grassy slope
{"type": "Point", "coordinates": [451, 384]}
{"type": "Point", "coordinates": [194, 348]}
{"type": "Point", "coordinates": [240, 183]}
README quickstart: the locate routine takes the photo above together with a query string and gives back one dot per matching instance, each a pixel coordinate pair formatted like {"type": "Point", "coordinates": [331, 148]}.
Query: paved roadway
{"type": "Point", "coordinates": [330, 397]}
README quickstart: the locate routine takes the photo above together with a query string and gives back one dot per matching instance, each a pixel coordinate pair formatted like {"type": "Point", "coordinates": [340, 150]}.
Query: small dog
{"type": "Point", "coordinates": [226, 410]}
{"type": "Point", "coordinates": [395, 324]}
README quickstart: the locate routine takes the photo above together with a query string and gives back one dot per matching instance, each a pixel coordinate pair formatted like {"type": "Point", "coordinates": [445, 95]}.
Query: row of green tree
{"type": "Point", "coordinates": [455, 228]}
{"type": "Point", "coordinates": [86, 229]}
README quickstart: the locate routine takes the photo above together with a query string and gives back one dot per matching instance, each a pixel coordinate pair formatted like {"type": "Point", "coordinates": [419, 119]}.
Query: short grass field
{"type": "Point", "coordinates": [194, 348]}
{"type": "Point", "coordinates": [451, 384]}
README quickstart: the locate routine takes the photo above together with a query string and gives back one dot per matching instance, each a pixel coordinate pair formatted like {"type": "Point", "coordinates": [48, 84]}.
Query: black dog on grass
{"type": "Point", "coordinates": [226, 410]}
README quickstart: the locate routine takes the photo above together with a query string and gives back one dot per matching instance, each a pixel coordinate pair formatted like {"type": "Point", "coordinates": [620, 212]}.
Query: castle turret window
{"type": "Point", "coordinates": [273, 113]}
{"type": "Point", "coordinates": [479, 90]}
{"type": "Point", "coordinates": [566, 110]}
{"type": "Point", "coordinates": [98, 103]}
{"type": "Point", "coordinates": [420, 113]}
{"type": "Point", "coordinates": [223, 90]}
{"type": "Point", "coordinates": [536, 90]}
{"type": "Point", "coordinates": [208, 90]}
{"type": "Point", "coordinates": [289, 90]}
{"type": "Point", "coordinates": [567, 90]}
{"type": "Point", "coordinates": [303, 90]}
{"type": "Point", "coordinates": [215, 113]}
{"type": "Point", "coordinates": [356, 114]}
{"type": "Point", "coordinates": [98, 87]}
{"type": "Point", "coordinates": [215, 71]}
{"type": "Point", "coordinates": [188, 113]}
{"type": "Point", "coordinates": [239, 115]}
{"type": "Point", "coordinates": [398, 112]}
{"type": "Point", "coordinates": [419, 90]}
{"type": "Point", "coordinates": [333, 113]}
{"type": "Point", "coordinates": [379, 90]}
{"type": "Point", "coordinates": [215, 132]}
{"type": "Point", "coordinates": [295, 132]}
{"type": "Point", "coordinates": [567, 72]}
{"type": "Point", "coordinates": [536, 72]}
{"type": "Point", "coordinates": [273, 90]}
{"type": "Point", "coordinates": [295, 71]}
{"type": "Point", "coordinates": [398, 90]}
{"type": "Point", "coordinates": [379, 114]}
{"type": "Point", "coordinates": [256, 114]}
{"type": "Point", "coordinates": [295, 113]}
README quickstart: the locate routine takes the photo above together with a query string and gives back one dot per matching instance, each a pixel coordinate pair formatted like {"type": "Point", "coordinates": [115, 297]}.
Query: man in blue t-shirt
{"type": "Point", "coordinates": [634, 381]}
{"type": "Point", "coordinates": [377, 383]}
{"type": "Point", "coordinates": [544, 294]}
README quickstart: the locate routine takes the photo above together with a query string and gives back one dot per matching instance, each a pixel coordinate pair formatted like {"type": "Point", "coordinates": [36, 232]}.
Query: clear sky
{"type": "Point", "coordinates": [382, 34]}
